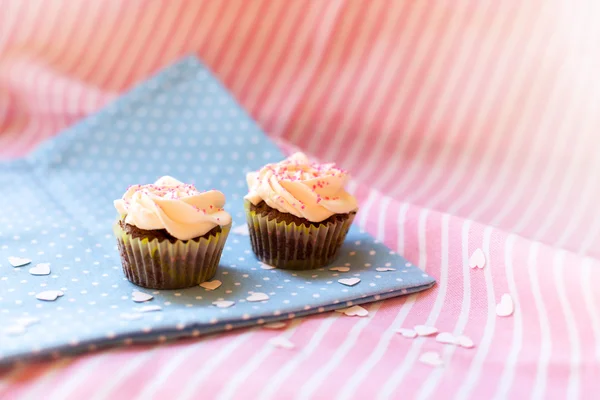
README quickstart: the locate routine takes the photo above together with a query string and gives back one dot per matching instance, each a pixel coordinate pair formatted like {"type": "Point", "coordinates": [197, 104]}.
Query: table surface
{"type": "Point", "coordinates": [465, 126]}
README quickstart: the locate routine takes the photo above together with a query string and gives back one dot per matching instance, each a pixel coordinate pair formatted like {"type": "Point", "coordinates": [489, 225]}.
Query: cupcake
{"type": "Point", "coordinates": [298, 213]}
{"type": "Point", "coordinates": [170, 235]}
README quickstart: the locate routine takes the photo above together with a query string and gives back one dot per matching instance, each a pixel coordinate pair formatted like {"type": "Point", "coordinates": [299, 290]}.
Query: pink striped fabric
{"type": "Point", "coordinates": [470, 124]}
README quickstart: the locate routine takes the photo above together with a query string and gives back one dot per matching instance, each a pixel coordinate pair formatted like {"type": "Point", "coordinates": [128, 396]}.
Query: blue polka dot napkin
{"type": "Point", "coordinates": [57, 212]}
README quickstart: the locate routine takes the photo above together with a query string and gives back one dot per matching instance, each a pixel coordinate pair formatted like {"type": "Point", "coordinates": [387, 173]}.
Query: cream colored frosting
{"type": "Point", "coordinates": [169, 204]}
{"type": "Point", "coordinates": [307, 190]}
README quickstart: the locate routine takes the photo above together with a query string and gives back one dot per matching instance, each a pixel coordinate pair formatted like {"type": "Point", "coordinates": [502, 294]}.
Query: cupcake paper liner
{"type": "Point", "coordinates": [288, 245]}
{"type": "Point", "coordinates": [165, 265]}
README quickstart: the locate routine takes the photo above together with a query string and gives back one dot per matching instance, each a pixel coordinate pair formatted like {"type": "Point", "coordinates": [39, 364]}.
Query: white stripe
{"type": "Point", "coordinates": [388, 128]}
{"type": "Point", "coordinates": [430, 385]}
{"type": "Point", "coordinates": [161, 376]}
{"type": "Point", "coordinates": [281, 375]}
{"type": "Point", "coordinates": [573, 386]}
{"type": "Point", "coordinates": [365, 367]}
{"type": "Point", "coordinates": [592, 239]}
{"type": "Point", "coordinates": [494, 83]}
{"type": "Point", "coordinates": [510, 366]}
{"type": "Point", "coordinates": [484, 345]}
{"type": "Point", "coordinates": [258, 51]}
{"type": "Point", "coordinates": [577, 150]}
{"type": "Point", "coordinates": [78, 376]}
{"type": "Point", "coordinates": [105, 391]}
{"type": "Point", "coordinates": [137, 44]}
{"type": "Point", "coordinates": [342, 351]}
{"type": "Point", "coordinates": [275, 50]}
{"type": "Point", "coordinates": [401, 228]}
{"type": "Point", "coordinates": [383, 89]}
{"type": "Point", "coordinates": [364, 211]}
{"type": "Point", "coordinates": [36, 390]}
{"type": "Point", "coordinates": [299, 72]}
{"type": "Point", "coordinates": [545, 339]}
{"type": "Point", "coordinates": [443, 48]}
{"type": "Point", "coordinates": [349, 22]}
{"type": "Point", "coordinates": [190, 389]}
{"type": "Point", "coordinates": [375, 56]}
{"type": "Point", "coordinates": [590, 304]}
{"type": "Point", "coordinates": [516, 138]}
{"type": "Point", "coordinates": [368, 23]}
{"type": "Point", "coordinates": [526, 174]}
{"type": "Point", "coordinates": [381, 221]}
{"type": "Point", "coordinates": [392, 385]}
{"type": "Point", "coordinates": [250, 366]}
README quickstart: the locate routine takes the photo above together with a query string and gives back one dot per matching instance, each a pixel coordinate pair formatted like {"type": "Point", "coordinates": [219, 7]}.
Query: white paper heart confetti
{"type": "Point", "coordinates": [465, 341]}
{"type": "Point", "coordinates": [506, 307]}
{"type": "Point", "coordinates": [446, 338]}
{"type": "Point", "coordinates": [354, 311]}
{"type": "Point", "coordinates": [18, 261]}
{"type": "Point", "coordinates": [49, 295]}
{"type": "Point", "coordinates": [131, 316]}
{"type": "Point", "coordinates": [211, 285]}
{"type": "Point", "coordinates": [424, 330]}
{"type": "Point", "coordinates": [477, 259]}
{"type": "Point", "coordinates": [146, 309]}
{"type": "Point", "coordinates": [223, 303]}
{"type": "Point", "coordinates": [431, 358]}
{"type": "Point", "coordinates": [14, 330]}
{"type": "Point", "coordinates": [140, 297]}
{"type": "Point", "coordinates": [241, 230]}
{"type": "Point", "coordinates": [349, 281]}
{"type": "Point", "coordinates": [407, 333]}
{"type": "Point", "coordinates": [257, 296]}
{"type": "Point", "coordinates": [384, 269]}
{"type": "Point", "coordinates": [275, 325]}
{"type": "Point", "coordinates": [40, 269]}
{"type": "Point", "coordinates": [266, 266]}
{"type": "Point", "coordinates": [281, 342]}
{"type": "Point", "coordinates": [26, 321]}
{"type": "Point", "coordinates": [340, 269]}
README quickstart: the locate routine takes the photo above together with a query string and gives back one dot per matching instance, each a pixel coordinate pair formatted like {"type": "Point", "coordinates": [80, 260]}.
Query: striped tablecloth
{"type": "Point", "coordinates": [466, 124]}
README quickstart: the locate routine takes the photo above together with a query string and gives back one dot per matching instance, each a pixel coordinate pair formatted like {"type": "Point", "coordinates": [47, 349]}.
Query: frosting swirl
{"type": "Point", "coordinates": [296, 186]}
{"type": "Point", "coordinates": [169, 204]}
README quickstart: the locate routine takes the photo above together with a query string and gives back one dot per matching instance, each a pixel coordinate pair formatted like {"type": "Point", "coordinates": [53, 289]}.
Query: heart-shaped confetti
{"type": "Point", "coordinates": [465, 341]}
{"type": "Point", "coordinates": [49, 295]}
{"type": "Point", "coordinates": [146, 309]}
{"type": "Point", "coordinates": [446, 338]}
{"type": "Point", "coordinates": [14, 330]}
{"type": "Point", "coordinates": [266, 266]}
{"type": "Point", "coordinates": [340, 269]}
{"type": "Point", "coordinates": [281, 342]}
{"type": "Point", "coordinates": [431, 358]}
{"type": "Point", "coordinates": [223, 303]}
{"type": "Point", "coordinates": [349, 281]}
{"type": "Point", "coordinates": [140, 297]}
{"type": "Point", "coordinates": [257, 296]}
{"type": "Point", "coordinates": [131, 316]}
{"type": "Point", "coordinates": [26, 321]}
{"type": "Point", "coordinates": [407, 333]}
{"type": "Point", "coordinates": [506, 307]}
{"type": "Point", "coordinates": [241, 230]}
{"type": "Point", "coordinates": [275, 325]}
{"type": "Point", "coordinates": [424, 330]}
{"type": "Point", "coordinates": [384, 269]}
{"type": "Point", "coordinates": [354, 311]}
{"type": "Point", "coordinates": [211, 285]}
{"type": "Point", "coordinates": [18, 261]}
{"type": "Point", "coordinates": [40, 269]}
{"type": "Point", "coordinates": [477, 259]}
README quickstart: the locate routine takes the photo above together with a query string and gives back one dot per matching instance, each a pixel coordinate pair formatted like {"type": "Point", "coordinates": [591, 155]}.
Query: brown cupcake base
{"type": "Point", "coordinates": [288, 242]}
{"type": "Point", "coordinates": [159, 263]}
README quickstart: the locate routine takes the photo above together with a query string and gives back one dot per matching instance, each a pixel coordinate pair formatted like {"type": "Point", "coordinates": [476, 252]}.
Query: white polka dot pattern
{"type": "Point", "coordinates": [57, 209]}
